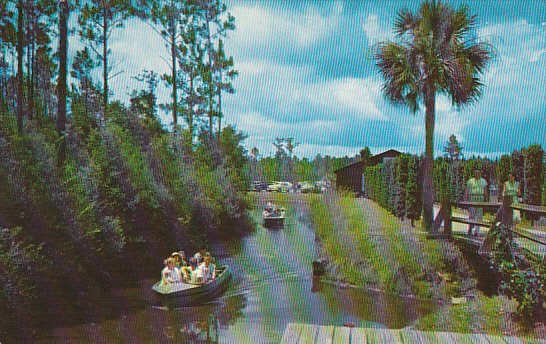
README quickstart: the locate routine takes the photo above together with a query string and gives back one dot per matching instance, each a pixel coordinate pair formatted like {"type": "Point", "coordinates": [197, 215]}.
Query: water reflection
{"type": "Point", "coordinates": [272, 286]}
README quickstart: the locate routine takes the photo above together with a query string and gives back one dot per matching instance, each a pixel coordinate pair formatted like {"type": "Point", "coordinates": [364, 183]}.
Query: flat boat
{"type": "Point", "coordinates": [188, 294]}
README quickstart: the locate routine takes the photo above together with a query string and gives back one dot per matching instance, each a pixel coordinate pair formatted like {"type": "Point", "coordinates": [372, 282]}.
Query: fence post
{"type": "Point", "coordinates": [447, 219]}
{"type": "Point", "coordinates": [504, 215]}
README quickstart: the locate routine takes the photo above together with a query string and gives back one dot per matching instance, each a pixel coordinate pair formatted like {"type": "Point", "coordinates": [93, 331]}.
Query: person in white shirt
{"type": "Point", "coordinates": [476, 191]}
{"type": "Point", "coordinates": [170, 274]}
{"type": "Point", "coordinates": [199, 255]}
{"type": "Point", "coordinates": [207, 269]}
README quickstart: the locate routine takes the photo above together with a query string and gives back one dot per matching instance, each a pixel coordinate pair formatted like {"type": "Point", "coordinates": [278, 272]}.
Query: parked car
{"type": "Point", "coordinates": [279, 187]}
{"type": "Point", "coordinates": [257, 186]}
{"type": "Point", "coordinates": [307, 187]}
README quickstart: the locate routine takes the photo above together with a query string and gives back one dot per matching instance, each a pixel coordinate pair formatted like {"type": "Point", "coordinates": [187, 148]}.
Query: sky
{"type": "Point", "coordinates": [306, 71]}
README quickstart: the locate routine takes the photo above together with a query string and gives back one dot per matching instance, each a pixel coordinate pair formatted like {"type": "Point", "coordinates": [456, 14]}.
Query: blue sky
{"type": "Point", "coordinates": [306, 72]}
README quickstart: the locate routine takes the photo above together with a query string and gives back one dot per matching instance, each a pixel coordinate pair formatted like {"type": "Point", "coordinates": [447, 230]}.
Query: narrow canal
{"type": "Point", "coordinates": [272, 286]}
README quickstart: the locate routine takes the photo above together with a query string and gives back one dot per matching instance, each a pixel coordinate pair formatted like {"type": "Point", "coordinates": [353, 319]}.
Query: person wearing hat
{"type": "Point", "coordinates": [179, 258]}
{"type": "Point", "coordinates": [476, 191]}
{"type": "Point", "coordinates": [190, 272]}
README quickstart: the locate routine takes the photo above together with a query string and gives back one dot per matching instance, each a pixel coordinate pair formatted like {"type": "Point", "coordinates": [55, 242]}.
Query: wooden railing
{"type": "Point", "coordinates": [503, 214]}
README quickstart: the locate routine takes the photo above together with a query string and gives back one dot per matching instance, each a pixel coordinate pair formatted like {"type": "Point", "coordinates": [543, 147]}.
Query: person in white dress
{"type": "Point", "coordinates": [207, 269]}
{"type": "Point", "coordinates": [170, 274]}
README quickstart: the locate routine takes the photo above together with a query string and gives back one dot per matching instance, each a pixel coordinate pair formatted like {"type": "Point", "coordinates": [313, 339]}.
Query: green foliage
{"type": "Point", "coordinates": [413, 191]}
{"type": "Point", "coordinates": [526, 285]}
{"type": "Point", "coordinates": [534, 177]}
{"type": "Point", "coordinates": [503, 169]}
{"type": "Point", "coordinates": [376, 186]}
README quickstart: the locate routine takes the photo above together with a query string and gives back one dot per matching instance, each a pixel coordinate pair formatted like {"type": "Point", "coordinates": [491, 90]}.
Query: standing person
{"type": "Point", "coordinates": [476, 191]}
{"type": "Point", "coordinates": [512, 189]}
{"type": "Point", "coordinates": [170, 274]}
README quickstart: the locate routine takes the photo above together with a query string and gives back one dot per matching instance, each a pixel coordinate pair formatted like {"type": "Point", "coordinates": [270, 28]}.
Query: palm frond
{"type": "Point", "coordinates": [405, 22]}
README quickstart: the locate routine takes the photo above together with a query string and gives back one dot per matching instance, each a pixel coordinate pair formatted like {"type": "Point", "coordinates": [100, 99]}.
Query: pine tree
{"type": "Point", "coordinates": [97, 20]}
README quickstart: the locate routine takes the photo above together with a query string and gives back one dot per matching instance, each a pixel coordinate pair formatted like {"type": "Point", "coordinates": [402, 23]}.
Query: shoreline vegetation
{"type": "Point", "coordinates": [407, 264]}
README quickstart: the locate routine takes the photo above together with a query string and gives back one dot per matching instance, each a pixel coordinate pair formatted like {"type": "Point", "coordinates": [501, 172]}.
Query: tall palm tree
{"type": "Point", "coordinates": [435, 53]}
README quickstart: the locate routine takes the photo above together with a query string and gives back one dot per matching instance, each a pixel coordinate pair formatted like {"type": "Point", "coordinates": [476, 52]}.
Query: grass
{"type": "Point", "coordinates": [376, 250]}
{"type": "Point", "coordinates": [491, 315]}
{"type": "Point", "coordinates": [346, 267]}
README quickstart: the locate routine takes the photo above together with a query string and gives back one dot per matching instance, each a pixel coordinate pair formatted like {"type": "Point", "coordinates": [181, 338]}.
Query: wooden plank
{"type": "Point", "coordinates": [380, 336]}
{"type": "Point", "coordinates": [496, 339]}
{"type": "Point", "coordinates": [512, 340]}
{"type": "Point", "coordinates": [308, 334]}
{"type": "Point", "coordinates": [411, 337]}
{"type": "Point", "coordinates": [291, 334]}
{"type": "Point", "coordinates": [469, 222]}
{"type": "Point", "coordinates": [342, 335]}
{"type": "Point", "coordinates": [359, 335]}
{"type": "Point", "coordinates": [468, 338]}
{"type": "Point", "coordinates": [488, 205]}
{"type": "Point", "coordinates": [528, 207]}
{"type": "Point", "coordinates": [444, 337]}
{"type": "Point", "coordinates": [325, 335]}
{"type": "Point", "coordinates": [529, 236]}
{"type": "Point", "coordinates": [532, 340]}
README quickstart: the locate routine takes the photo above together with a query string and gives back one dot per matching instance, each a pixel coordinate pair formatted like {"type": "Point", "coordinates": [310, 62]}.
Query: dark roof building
{"type": "Point", "coordinates": [351, 177]}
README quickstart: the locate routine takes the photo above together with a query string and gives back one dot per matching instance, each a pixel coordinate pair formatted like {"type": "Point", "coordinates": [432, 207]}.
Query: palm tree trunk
{"type": "Point", "coordinates": [428, 164]}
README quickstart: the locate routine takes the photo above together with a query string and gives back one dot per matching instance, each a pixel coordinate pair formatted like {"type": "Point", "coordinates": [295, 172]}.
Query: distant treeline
{"type": "Point", "coordinates": [286, 166]}
{"type": "Point", "coordinates": [396, 184]}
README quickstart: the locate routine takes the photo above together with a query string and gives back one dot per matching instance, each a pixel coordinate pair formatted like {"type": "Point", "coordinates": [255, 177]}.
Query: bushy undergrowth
{"type": "Point", "coordinates": [126, 189]}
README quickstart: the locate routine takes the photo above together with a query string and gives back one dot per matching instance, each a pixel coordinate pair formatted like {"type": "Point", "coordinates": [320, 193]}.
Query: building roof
{"type": "Point", "coordinates": [373, 160]}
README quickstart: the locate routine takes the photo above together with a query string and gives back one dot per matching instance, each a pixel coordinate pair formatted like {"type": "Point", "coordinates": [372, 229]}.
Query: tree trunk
{"type": "Point", "coordinates": [61, 84]}
{"type": "Point", "coordinates": [190, 109]}
{"type": "Point", "coordinates": [220, 106]}
{"type": "Point", "coordinates": [105, 59]}
{"type": "Point", "coordinates": [211, 92]}
{"type": "Point", "coordinates": [20, 40]}
{"type": "Point", "coordinates": [175, 86]}
{"type": "Point", "coordinates": [30, 79]}
{"type": "Point", "coordinates": [428, 164]}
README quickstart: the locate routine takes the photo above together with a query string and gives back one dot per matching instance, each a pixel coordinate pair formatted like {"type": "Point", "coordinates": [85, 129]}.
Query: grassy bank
{"type": "Point", "coordinates": [367, 246]}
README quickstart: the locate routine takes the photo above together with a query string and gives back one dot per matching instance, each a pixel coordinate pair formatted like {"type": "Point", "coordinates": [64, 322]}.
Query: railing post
{"type": "Point", "coordinates": [447, 219]}
{"type": "Point", "coordinates": [505, 213]}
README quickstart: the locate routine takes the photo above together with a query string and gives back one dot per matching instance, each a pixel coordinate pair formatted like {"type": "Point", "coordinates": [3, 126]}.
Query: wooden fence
{"type": "Point", "coordinates": [503, 214]}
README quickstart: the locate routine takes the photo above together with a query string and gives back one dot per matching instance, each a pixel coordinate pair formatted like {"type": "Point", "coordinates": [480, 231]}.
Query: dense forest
{"type": "Point", "coordinates": [94, 192]}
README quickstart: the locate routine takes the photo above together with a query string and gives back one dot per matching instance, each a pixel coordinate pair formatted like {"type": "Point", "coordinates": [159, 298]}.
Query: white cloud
{"type": "Point", "coordinates": [536, 55]}
{"type": "Point", "coordinates": [357, 97]}
{"type": "Point", "coordinates": [257, 25]}
{"type": "Point", "coordinates": [376, 31]}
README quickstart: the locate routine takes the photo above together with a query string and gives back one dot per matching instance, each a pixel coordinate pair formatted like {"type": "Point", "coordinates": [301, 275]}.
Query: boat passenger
{"type": "Point", "coordinates": [188, 272]}
{"type": "Point", "coordinates": [179, 258]}
{"type": "Point", "coordinates": [208, 269]}
{"type": "Point", "coordinates": [199, 255]}
{"type": "Point", "coordinates": [170, 274]}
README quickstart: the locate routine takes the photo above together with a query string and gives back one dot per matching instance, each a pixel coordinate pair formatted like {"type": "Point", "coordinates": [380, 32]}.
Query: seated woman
{"type": "Point", "coordinates": [207, 269]}
{"type": "Point", "coordinates": [189, 273]}
{"type": "Point", "coordinates": [170, 274]}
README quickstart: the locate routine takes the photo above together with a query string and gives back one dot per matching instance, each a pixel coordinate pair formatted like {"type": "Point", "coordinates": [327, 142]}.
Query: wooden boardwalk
{"type": "Point", "coordinates": [315, 334]}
